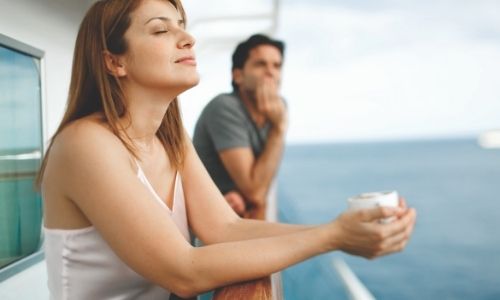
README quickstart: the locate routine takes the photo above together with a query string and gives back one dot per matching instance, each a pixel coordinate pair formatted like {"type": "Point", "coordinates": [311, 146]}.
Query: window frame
{"type": "Point", "coordinates": [18, 46]}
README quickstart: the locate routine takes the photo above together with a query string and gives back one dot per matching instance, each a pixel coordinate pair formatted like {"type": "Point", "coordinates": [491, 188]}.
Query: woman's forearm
{"type": "Point", "coordinates": [224, 263]}
{"type": "Point", "coordinates": [245, 229]}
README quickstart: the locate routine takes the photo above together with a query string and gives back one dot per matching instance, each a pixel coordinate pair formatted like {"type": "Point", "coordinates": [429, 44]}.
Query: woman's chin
{"type": "Point", "coordinates": [186, 85]}
{"type": "Point", "coordinates": [195, 80]}
{"type": "Point", "coordinates": [192, 82]}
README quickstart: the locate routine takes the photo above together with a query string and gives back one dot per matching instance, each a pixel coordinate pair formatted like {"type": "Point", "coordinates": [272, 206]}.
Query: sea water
{"type": "Point", "coordinates": [454, 185]}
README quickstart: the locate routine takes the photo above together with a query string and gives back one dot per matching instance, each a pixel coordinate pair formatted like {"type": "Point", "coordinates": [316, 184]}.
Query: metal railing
{"type": "Point", "coordinates": [19, 173]}
{"type": "Point", "coordinates": [354, 287]}
{"type": "Point", "coordinates": [267, 288]}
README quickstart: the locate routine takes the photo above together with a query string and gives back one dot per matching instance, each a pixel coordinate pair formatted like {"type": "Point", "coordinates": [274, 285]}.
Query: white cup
{"type": "Point", "coordinates": [374, 199]}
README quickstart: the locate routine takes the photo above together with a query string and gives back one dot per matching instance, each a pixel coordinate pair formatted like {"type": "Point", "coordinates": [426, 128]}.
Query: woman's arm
{"type": "Point", "coordinates": [279, 245]}
{"type": "Point", "coordinates": [206, 205]}
{"type": "Point", "coordinates": [95, 173]}
{"type": "Point", "coordinates": [250, 259]}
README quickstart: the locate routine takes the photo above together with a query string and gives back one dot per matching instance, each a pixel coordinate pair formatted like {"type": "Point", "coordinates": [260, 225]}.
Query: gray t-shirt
{"type": "Point", "coordinates": [225, 123]}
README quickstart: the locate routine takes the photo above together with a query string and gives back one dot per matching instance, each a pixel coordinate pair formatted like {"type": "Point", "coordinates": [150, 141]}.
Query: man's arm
{"type": "Point", "coordinates": [253, 175]}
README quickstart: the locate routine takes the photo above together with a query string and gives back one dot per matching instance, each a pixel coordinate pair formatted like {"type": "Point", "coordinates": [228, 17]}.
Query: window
{"type": "Point", "coordinates": [20, 150]}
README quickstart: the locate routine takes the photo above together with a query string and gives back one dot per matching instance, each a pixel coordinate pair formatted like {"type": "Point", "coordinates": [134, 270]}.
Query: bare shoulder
{"type": "Point", "coordinates": [85, 132]}
{"type": "Point", "coordinates": [82, 155]}
{"type": "Point", "coordinates": [86, 139]}
{"type": "Point", "coordinates": [85, 147]}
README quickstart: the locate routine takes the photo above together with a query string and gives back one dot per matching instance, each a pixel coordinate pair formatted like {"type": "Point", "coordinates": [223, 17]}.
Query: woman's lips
{"type": "Point", "coordinates": [187, 60]}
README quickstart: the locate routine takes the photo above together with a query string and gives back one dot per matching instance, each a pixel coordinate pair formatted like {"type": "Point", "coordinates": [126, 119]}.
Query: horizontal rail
{"type": "Point", "coordinates": [16, 172]}
{"type": "Point", "coordinates": [22, 156]}
{"type": "Point", "coordinates": [17, 175]}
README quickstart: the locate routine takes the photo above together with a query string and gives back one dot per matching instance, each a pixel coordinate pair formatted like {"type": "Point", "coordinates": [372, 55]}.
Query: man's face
{"type": "Point", "coordinates": [263, 62]}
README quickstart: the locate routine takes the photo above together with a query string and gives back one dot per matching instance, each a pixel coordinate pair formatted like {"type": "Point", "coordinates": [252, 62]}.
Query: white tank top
{"type": "Point", "coordinates": [81, 265]}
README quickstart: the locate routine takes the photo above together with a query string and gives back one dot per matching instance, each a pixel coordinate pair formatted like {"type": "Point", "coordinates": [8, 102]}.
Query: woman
{"type": "Point", "coordinates": [122, 184]}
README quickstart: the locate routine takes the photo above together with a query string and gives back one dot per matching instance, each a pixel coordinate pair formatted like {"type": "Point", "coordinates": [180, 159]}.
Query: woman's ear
{"type": "Point", "coordinates": [114, 66]}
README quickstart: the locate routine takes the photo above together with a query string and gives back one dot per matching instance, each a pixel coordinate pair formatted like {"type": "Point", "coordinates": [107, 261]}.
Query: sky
{"type": "Point", "coordinates": [364, 70]}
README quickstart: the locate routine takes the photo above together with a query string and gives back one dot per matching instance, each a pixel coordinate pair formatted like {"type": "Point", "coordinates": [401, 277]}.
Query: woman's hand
{"type": "Point", "coordinates": [360, 233]}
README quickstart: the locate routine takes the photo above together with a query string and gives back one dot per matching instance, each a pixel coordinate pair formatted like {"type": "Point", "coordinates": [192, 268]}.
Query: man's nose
{"type": "Point", "coordinates": [271, 72]}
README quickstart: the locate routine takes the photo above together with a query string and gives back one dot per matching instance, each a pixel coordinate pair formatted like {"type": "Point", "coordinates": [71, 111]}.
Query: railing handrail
{"type": "Point", "coordinates": [355, 288]}
{"type": "Point", "coordinates": [18, 173]}
{"type": "Point", "coordinates": [22, 156]}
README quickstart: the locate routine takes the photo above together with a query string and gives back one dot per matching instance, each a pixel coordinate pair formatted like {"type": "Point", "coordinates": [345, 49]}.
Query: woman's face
{"type": "Point", "coordinates": [160, 52]}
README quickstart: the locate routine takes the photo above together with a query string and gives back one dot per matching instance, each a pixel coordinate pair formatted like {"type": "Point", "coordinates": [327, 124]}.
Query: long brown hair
{"type": "Point", "coordinates": [93, 89]}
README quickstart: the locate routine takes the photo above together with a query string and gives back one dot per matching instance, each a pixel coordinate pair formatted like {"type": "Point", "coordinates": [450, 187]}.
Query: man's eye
{"type": "Point", "coordinates": [161, 31]}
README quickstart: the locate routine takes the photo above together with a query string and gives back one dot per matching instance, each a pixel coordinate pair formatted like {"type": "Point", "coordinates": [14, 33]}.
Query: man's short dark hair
{"type": "Point", "coordinates": [242, 51]}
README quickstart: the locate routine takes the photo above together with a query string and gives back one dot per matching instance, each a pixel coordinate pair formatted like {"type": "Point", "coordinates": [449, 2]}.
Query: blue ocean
{"type": "Point", "coordinates": [454, 252]}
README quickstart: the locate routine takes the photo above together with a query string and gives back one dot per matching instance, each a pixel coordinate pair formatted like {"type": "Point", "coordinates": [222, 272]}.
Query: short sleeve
{"type": "Point", "coordinates": [227, 124]}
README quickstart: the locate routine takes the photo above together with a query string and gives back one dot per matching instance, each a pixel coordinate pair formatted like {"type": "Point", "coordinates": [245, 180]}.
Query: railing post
{"type": "Point", "coordinates": [267, 288]}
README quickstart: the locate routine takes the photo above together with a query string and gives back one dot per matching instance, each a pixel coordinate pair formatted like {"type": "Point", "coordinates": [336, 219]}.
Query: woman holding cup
{"type": "Point", "coordinates": [123, 186]}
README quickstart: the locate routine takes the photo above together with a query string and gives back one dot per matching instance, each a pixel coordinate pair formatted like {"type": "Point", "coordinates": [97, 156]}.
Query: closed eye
{"type": "Point", "coordinates": [161, 31]}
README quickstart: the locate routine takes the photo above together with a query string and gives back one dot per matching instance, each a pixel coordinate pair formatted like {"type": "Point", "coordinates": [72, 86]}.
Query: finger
{"type": "Point", "coordinates": [394, 241]}
{"type": "Point", "coordinates": [402, 202]}
{"type": "Point", "coordinates": [397, 243]}
{"type": "Point", "coordinates": [231, 202]}
{"type": "Point", "coordinates": [265, 97]}
{"type": "Point", "coordinates": [236, 204]}
{"type": "Point", "coordinates": [272, 90]}
{"type": "Point", "coordinates": [260, 96]}
{"type": "Point", "coordinates": [272, 108]}
{"type": "Point", "coordinates": [375, 214]}
{"type": "Point", "coordinates": [239, 208]}
{"type": "Point", "coordinates": [400, 225]}
{"type": "Point", "coordinates": [275, 97]}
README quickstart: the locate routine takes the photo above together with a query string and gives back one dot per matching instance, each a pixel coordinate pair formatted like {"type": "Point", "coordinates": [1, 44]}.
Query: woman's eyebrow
{"type": "Point", "coordinates": [165, 19]}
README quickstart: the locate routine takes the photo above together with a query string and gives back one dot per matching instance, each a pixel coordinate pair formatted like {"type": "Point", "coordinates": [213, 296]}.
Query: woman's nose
{"type": "Point", "coordinates": [186, 40]}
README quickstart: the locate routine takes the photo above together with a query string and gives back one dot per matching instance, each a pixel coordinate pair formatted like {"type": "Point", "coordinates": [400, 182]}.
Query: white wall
{"type": "Point", "coordinates": [51, 26]}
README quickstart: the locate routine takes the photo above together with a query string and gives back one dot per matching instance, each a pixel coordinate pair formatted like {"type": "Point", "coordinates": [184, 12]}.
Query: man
{"type": "Point", "coordinates": [240, 136]}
